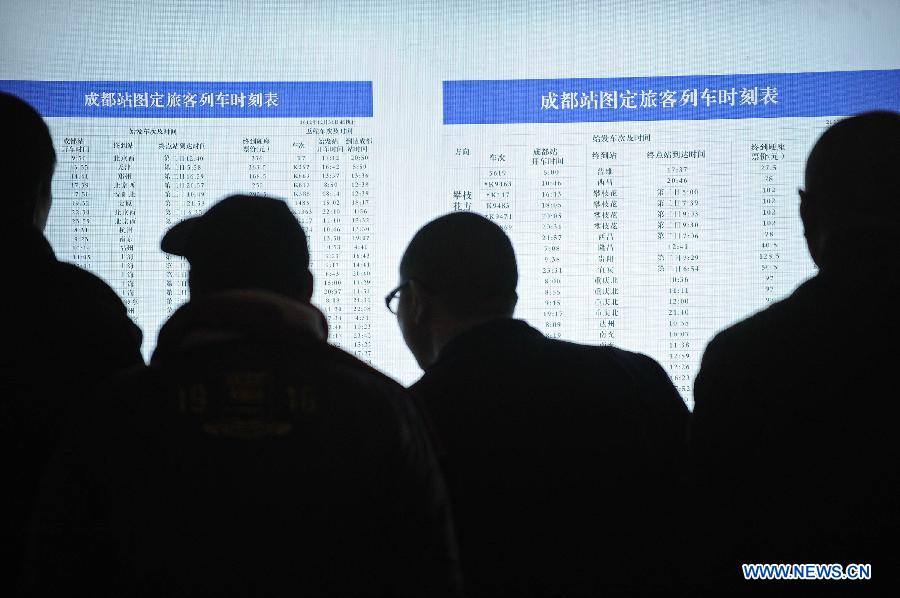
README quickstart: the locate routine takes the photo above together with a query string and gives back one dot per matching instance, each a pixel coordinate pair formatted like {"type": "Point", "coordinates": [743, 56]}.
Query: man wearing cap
{"type": "Point", "coordinates": [252, 457]}
{"type": "Point", "coordinates": [794, 431]}
{"type": "Point", "coordinates": [64, 329]}
{"type": "Point", "coordinates": [561, 459]}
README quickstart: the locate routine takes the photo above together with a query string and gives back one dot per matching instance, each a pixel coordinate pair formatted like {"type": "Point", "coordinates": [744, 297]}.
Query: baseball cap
{"type": "Point", "coordinates": [243, 242]}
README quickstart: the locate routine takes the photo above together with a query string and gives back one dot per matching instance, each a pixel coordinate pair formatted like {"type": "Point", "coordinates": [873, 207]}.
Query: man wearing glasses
{"type": "Point", "coordinates": [556, 454]}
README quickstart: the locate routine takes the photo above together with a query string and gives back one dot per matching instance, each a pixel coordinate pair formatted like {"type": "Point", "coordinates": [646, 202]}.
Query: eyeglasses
{"type": "Point", "coordinates": [392, 299]}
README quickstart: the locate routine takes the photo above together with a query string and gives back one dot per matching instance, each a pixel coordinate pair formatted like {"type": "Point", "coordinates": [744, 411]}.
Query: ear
{"type": "Point", "coordinates": [42, 204]}
{"type": "Point", "coordinates": [812, 226]}
{"type": "Point", "coordinates": [192, 283]}
{"type": "Point", "coordinates": [419, 302]}
{"type": "Point", "coordinates": [805, 208]}
{"type": "Point", "coordinates": [307, 286]}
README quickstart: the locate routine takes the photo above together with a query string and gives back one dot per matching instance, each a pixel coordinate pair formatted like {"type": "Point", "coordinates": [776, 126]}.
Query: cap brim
{"type": "Point", "coordinates": [175, 241]}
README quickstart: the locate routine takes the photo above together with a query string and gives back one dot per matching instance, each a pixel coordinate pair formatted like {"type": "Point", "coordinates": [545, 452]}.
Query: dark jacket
{"type": "Point", "coordinates": [251, 458]}
{"type": "Point", "coordinates": [557, 458]}
{"type": "Point", "coordinates": [64, 330]}
{"type": "Point", "coordinates": [794, 425]}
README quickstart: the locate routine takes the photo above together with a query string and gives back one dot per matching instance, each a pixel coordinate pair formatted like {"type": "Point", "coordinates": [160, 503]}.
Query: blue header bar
{"type": "Point", "coordinates": [695, 97]}
{"type": "Point", "coordinates": [191, 99]}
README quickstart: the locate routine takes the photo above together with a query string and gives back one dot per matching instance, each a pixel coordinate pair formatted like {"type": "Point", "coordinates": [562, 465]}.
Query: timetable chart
{"type": "Point", "coordinates": [647, 213]}
{"type": "Point", "coordinates": [133, 159]}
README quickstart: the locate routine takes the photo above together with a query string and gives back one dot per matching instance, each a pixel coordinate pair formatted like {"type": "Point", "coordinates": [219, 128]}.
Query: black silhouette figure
{"type": "Point", "coordinates": [562, 459]}
{"type": "Point", "coordinates": [251, 458]}
{"type": "Point", "coordinates": [794, 426]}
{"type": "Point", "coordinates": [64, 329]}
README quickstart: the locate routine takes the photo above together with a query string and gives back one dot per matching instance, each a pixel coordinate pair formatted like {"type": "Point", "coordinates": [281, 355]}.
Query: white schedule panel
{"type": "Point", "coordinates": [644, 157]}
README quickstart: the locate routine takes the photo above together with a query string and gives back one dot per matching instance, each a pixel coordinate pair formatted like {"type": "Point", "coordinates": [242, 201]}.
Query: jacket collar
{"type": "Point", "coordinates": [30, 245]}
{"type": "Point", "coordinates": [486, 333]}
{"type": "Point", "coordinates": [238, 314]}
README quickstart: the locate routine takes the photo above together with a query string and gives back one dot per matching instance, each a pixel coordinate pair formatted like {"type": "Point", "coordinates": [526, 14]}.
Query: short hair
{"type": "Point", "coordinates": [468, 260]}
{"type": "Point", "coordinates": [27, 157]}
{"type": "Point", "coordinates": [852, 170]}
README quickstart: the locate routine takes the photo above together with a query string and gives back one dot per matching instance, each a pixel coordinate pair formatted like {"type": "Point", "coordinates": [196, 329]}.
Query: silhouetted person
{"type": "Point", "coordinates": [795, 421]}
{"type": "Point", "coordinates": [251, 458]}
{"type": "Point", "coordinates": [561, 459]}
{"type": "Point", "coordinates": [64, 329]}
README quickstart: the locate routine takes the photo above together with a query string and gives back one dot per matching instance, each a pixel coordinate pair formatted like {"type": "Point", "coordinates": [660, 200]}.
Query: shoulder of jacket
{"type": "Point", "coordinates": [86, 283]}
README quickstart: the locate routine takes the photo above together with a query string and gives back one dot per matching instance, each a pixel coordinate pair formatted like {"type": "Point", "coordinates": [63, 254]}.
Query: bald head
{"type": "Point", "coordinates": [467, 261]}
{"type": "Point", "coordinates": [852, 173]}
{"type": "Point", "coordinates": [27, 160]}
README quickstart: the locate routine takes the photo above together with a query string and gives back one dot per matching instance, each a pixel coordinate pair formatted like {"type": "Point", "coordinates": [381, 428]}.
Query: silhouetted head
{"type": "Point", "coordinates": [27, 161]}
{"type": "Point", "coordinates": [853, 181]}
{"type": "Point", "coordinates": [244, 242]}
{"type": "Point", "coordinates": [458, 270]}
